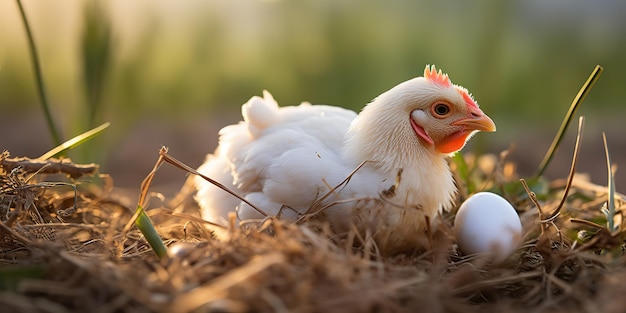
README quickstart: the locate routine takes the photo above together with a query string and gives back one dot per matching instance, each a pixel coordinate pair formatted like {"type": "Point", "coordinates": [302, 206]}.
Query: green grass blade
{"type": "Point", "coordinates": [146, 227]}
{"type": "Point", "coordinates": [74, 141]}
{"type": "Point", "coordinates": [97, 54]}
{"type": "Point", "coordinates": [41, 90]}
{"type": "Point", "coordinates": [609, 211]}
{"type": "Point", "coordinates": [584, 90]}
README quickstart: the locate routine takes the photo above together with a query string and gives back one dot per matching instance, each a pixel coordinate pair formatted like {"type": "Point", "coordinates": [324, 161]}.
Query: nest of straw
{"type": "Point", "coordinates": [66, 245]}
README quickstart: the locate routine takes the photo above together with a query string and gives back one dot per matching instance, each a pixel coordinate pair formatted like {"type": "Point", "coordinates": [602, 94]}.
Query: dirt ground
{"type": "Point", "coordinates": [133, 154]}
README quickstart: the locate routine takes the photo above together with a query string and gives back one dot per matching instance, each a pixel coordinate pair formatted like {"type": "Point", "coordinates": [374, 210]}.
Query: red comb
{"type": "Point", "coordinates": [468, 99]}
{"type": "Point", "coordinates": [437, 77]}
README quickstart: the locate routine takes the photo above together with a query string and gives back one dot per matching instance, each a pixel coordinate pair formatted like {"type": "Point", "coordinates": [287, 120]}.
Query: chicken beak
{"type": "Point", "coordinates": [477, 121]}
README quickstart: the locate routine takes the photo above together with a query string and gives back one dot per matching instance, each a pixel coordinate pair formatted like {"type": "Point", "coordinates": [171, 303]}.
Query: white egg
{"type": "Point", "coordinates": [487, 224]}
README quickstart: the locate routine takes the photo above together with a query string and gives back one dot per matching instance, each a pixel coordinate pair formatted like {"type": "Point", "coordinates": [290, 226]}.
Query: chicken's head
{"type": "Point", "coordinates": [445, 115]}
{"type": "Point", "coordinates": [426, 115]}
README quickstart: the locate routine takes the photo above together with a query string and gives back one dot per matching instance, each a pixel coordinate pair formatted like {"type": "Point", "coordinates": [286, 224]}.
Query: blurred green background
{"type": "Point", "coordinates": [174, 72]}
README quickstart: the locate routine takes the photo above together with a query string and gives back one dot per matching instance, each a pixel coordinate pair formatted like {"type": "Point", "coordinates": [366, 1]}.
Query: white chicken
{"type": "Point", "coordinates": [304, 160]}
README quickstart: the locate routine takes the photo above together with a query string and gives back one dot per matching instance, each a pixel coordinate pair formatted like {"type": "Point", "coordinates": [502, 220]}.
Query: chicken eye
{"type": "Point", "coordinates": [441, 109]}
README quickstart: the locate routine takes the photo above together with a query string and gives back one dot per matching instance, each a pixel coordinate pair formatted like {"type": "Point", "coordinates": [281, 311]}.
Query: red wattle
{"type": "Point", "coordinates": [452, 143]}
